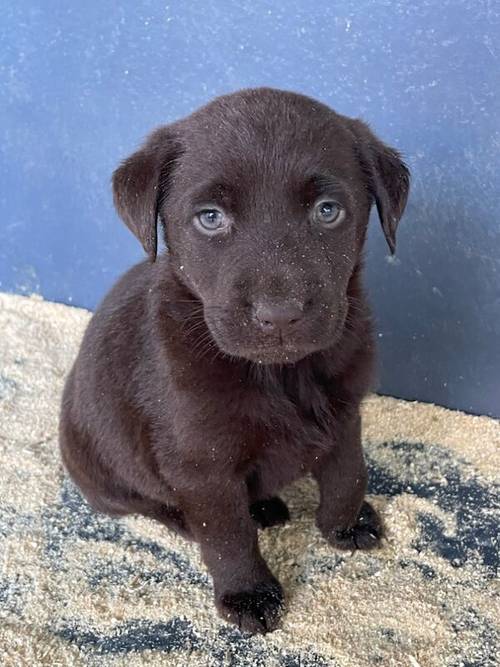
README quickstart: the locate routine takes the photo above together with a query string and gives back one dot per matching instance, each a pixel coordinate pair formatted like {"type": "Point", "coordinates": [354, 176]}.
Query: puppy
{"type": "Point", "coordinates": [235, 363]}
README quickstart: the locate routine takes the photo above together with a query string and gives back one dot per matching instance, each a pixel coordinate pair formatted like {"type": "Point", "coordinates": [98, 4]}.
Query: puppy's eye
{"type": "Point", "coordinates": [211, 220]}
{"type": "Point", "coordinates": [328, 213]}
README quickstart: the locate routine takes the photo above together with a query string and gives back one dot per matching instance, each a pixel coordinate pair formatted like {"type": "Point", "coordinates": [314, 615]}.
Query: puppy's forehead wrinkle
{"type": "Point", "coordinates": [216, 190]}
{"type": "Point", "coordinates": [259, 184]}
{"type": "Point", "coordinates": [325, 182]}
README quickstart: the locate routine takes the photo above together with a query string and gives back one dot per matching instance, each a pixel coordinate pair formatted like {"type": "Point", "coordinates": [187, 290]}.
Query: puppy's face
{"type": "Point", "coordinates": [264, 197]}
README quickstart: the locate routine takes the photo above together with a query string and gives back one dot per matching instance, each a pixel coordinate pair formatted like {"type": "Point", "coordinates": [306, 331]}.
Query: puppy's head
{"type": "Point", "coordinates": [264, 198]}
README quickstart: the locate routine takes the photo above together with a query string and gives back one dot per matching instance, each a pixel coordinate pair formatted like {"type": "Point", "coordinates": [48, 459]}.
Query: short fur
{"type": "Point", "coordinates": [183, 405]}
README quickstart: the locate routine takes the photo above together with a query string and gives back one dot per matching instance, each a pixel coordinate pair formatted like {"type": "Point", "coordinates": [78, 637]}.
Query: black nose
{"type": "Point", "coordinates": [277, 316]}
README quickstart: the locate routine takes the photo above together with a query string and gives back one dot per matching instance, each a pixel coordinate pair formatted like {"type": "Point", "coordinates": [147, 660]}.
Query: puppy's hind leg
{"type": "Point", "coordinates": [266, 509]}
{"type": "Point", "coordinates": [269, 512]}
{"type": "Point", "coordinates": [103, 490]}
{"type": "Point", "coordinates": [169, 515]}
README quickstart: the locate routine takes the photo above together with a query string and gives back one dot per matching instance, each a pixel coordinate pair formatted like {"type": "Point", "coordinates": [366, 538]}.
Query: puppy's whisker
{"type": "Point", "coordinates": [189, 328]}
{"type": "Point", "coordinates": [203, 345]}
{"type": "Point", "coordinates": [210, 347]}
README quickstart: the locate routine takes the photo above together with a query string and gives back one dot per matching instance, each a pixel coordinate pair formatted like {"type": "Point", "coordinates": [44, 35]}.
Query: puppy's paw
{"type": "Point", "coordinates": [256, 610]}
{"type": "Point", "coordinates": [271, 512]}
{"type": "Point", "coordinates": [365, 534]}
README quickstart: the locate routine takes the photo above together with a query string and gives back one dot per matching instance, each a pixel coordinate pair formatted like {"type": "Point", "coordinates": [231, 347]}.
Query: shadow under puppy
{"type": "Point", "coordinates": [235, 363]}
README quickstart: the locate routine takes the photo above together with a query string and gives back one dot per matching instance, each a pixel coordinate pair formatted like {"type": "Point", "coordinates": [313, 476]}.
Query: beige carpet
{"type": "Point", "coordinates": [77, 588]}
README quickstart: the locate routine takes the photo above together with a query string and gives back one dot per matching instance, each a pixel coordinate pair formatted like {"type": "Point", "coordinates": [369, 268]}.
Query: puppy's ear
{"type": "Point", "coordinates": [140, 183]}
{"type": "Point", "coordinates": [388, 178]}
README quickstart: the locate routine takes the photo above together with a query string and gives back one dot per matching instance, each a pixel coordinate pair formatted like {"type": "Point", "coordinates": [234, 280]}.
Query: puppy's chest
{"type": "Point", "coordinates": [293, 419]}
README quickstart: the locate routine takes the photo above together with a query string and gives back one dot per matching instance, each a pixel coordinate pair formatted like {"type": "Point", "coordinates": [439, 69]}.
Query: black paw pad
{"type": "Point", "coordinates": [365, 534]}
{"type": "Point", "coordinates": [254, 611]}
{"type": "Point", "coordinates": [271, 512]}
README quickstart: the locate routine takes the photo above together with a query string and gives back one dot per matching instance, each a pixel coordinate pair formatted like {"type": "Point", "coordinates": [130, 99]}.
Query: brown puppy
{"type": "Point", "coordinates": [236, 363]}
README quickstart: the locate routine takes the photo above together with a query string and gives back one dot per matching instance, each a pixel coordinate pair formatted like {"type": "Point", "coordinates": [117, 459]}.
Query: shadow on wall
{"type": "Point", "coordinates": [437, 302]}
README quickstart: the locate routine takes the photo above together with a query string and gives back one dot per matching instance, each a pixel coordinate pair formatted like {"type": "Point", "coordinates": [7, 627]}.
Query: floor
{"type": "Point", "coordinates": [77, 588]}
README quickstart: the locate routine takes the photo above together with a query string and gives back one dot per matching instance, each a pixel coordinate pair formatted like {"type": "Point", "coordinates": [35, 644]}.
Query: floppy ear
{"type": "Point", "coordinates": [388, 179]}
{"type": "Point", "coordinates": [140, 183]}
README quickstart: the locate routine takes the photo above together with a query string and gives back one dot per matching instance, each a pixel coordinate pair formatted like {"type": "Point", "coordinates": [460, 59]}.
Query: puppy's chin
{"type": "Point", "coordinates": [275, 355]}
{"type": "Point", "coordinates": [269, 353]}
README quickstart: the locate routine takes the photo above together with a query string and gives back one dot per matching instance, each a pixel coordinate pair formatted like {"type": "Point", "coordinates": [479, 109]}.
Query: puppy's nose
{"type": "Point", "coordinates": [277, 316]}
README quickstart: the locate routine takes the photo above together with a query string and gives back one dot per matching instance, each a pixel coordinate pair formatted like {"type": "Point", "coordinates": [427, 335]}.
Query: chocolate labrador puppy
{"type": "Point", "coordinates": [235, 363]}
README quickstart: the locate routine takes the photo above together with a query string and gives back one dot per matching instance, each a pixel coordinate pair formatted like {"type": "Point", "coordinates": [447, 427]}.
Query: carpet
{"type": "Point", "coordinates": [78, 588]}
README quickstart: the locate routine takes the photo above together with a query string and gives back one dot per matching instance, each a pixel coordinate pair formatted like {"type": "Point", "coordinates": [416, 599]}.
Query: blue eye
{"type": "Point", "coordinates": [211, 220]}
{"type": "Point", "coordinates": [328, 213]}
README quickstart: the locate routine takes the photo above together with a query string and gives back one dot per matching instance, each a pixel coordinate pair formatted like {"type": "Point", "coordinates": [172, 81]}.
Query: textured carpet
{"type": "Point", "coordinates": [77, 588]}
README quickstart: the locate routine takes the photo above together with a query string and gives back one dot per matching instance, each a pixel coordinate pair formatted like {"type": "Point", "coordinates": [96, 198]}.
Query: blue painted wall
{"type": "Point", "coordinates": [81, 84]}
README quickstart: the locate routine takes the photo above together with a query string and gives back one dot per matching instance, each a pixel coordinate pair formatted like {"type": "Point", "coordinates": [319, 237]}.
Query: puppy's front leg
{"type": "Point", "coordinates": [246, 592]}
{"type": "Point", "coordinates": [345, 519]}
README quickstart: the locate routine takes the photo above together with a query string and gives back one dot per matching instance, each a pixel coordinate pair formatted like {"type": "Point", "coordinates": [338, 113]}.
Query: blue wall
{"type": "Point", "coordinates": [81, 84]}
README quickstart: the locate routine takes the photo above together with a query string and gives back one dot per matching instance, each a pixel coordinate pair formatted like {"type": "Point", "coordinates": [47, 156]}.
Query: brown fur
{"type": "Point", "coordinates": [234, 364]}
